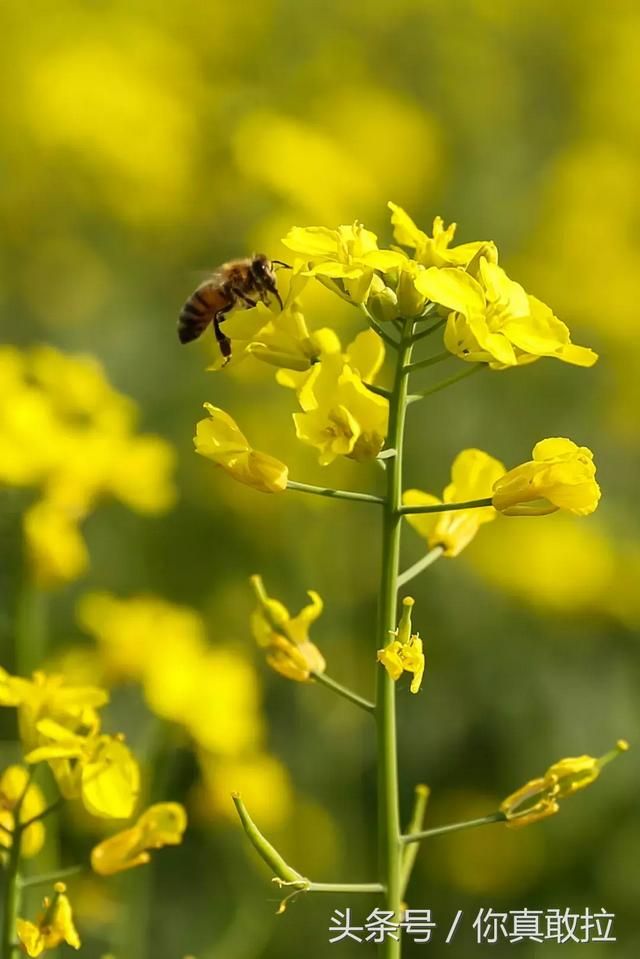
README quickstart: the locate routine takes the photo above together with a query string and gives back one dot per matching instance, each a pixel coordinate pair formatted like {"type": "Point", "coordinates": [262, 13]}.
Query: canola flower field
{"type": "Point", "coordinates": [423, 444]}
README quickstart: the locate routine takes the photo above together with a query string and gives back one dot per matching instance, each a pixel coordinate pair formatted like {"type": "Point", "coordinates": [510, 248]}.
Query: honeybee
{"type": "Point", "coordinates": [228, 285]}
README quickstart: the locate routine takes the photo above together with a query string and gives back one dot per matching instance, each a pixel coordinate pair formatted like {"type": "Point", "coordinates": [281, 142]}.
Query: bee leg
{"type": "Point", "coordinates": [223, 341]}
{"type": "Point", "coordinates": [243, 296]}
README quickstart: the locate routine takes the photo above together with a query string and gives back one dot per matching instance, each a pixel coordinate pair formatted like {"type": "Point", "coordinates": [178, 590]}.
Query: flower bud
{"type": "Point", "coordinates": [382, 302]}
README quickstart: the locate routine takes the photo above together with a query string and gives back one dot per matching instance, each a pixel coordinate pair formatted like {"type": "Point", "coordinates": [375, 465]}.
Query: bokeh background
{"type": "Point", "coordinates": [143, 143]}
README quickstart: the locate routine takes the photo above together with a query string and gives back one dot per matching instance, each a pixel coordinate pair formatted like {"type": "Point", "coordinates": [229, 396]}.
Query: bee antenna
{"type": "Point", "coordinates": [287, 266]}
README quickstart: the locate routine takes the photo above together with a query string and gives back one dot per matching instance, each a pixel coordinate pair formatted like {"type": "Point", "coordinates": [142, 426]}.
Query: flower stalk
{"type": "Point", "coordinates": [389, 832]}
{"type": "Point", "coordinates": [453, 827]}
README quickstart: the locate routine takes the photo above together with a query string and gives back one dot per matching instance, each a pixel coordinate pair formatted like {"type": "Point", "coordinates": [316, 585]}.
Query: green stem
{"type": "Point", "coordinates": [347, 887]}
{"type": "Point", "coordinates": [30, 628]}
{"type": "Point", "coordinates": [410, 852]}
{"type": "Point", "coordinates": [333, 493]}
{"type": "Point", "coordinates": [443, 384]}
{"type": "Point", "coordinates": [446, 507]}
{"type": "Point", "coordinates": [430, 361]}
{"type": "Point", "coordinates": [12, 899]}
{"type": "Point", "coordinates": [344, 692]}
{"type": "Point", "coordinates": [454, 827]}
{"type": "Point", "coordinates": [12, 885]}
{"type": "Point", "coordinates": [423, 563]}
{"type": "Point", "coordinates": [388, 806]}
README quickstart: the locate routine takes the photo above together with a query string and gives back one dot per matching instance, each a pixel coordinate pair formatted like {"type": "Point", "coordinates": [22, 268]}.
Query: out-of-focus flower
{"type": "Point", "coordinates": [404, 652]}
{"type": "Point", "coordinates": [54, 544]}
{"type": "Point", "coordinates": [571, 567]}
{"type": "Point", "coordinates": [341, 416]}
{"type": "Point", "coordinates": [473, 475]}
{"type": "Point", "coordinates": [52, 927]}
{"type": "Point", "coordinates": [493, 320]}
{"type": "Point", "coordinates": [286, 638]}
{"type": "Point", "coordinates": [132, 632]}
{"type": "Point", "coordinates": [65, 430]}
{"type": "Point", "coordinates": [16, 790]}
{"type": "Point", "coordinates": [141, 474]}
{"type": "Point", "coordinates": [434, 250]}
{"type": "Point", "coordinates": [160, 825]}
{"type": "Point", "coordinates": [99, 769]}
{"type": "Point", "coordinates": [539, 798]}
{"type": "Point", "coordinates": [262, 779]}
{"type": "Point", "coordinates": [49, 697]}
{"type": "Point", "coordinates": [211, 691]}
{"type": "Point", "coordinates": [561, 475]}
{"type": "Point", "coordinates": [219, 439]}
{"type": "Point", "coordinates": [349, 254]}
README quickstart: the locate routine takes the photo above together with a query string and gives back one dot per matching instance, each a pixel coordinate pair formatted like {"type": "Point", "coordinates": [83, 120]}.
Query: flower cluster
{"type": "Point", "coordinates": [65, 431]}
{"type": "Point", "coordinates": [211, 691]}
{"type": "Point", "coordinates": [488, 320]}
{"type": "Point", "coordinates": [60, 727]}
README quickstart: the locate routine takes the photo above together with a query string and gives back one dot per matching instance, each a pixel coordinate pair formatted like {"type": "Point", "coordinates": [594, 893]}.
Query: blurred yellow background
{"type": "Point", "coordinates": [141, 144]}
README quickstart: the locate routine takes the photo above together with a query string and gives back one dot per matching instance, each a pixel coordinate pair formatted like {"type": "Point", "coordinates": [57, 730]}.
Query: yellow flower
{"type": "Point", "coordinates": [212, 692]}
{"type": "Point", "coordinates": [404, 652]}
{"type": "Point", "coordinates": [55, 548]}
{"type": "Point", "coordinates": [219, 439]}
{"type": "Point", "coordinates": [561, 475]}
{"type": "Point", "coordinates": [289, 650]}
{"type": "Point", "coordinates": [473, 475]}
{"type": "Point", "coordinates": [31, 802]}
{"type": "Point", "coordinates": [52, 927]}
{"type": "Point", "coordinates": [48, 697]}
{"type": "Point", "coordinates": [349, 254]}
{"type": "Point", "coordinates": [365, 355]}
{"type": "Point", "coordinates": [141, 474]}
{"type": "Point", "coordinates": [64, 429]}
{"type": "Point", "coordinates": [434, 250]}
{"type": "Point", "coordinates": [260, 778]}
{"type": "Point", "coordinates": [341, 416]}
{"type": "Point", "coordinates": [160, 825]}
{"type": "Point", "coordinates": [538, 798]}
{"type": "Point", "coordinates": [99, 769]}
{"type": "Point", "coordinates": [493, 320]}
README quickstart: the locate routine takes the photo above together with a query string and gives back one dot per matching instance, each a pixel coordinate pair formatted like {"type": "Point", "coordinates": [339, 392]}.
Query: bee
{"type": "Point", "coordinates": [238, 281]}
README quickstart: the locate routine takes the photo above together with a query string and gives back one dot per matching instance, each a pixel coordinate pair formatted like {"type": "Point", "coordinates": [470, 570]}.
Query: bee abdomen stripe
{"type": "Point", "coordinates": [201, 300]}
{"type": "Point", "coordinates": [191, 310]}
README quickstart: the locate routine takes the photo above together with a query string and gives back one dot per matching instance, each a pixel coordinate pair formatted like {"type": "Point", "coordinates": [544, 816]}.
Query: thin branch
{"type": "Point", "coordinates": [375, 326]}
{"type": "Point", "coordinates": [454, 827]}
{"type": "Point", "coordinates": [378, 390]}
{"type": "Point", "coordinates": [348, 887]}
{"type": "Point", "coordinates": [334, 493]}
{"type": "Point", "coordinates": [447, 507]}
{"type": "Point", "coordinates": [50, 877]}
{"type": "Point", "coordinates": [430, 329]}
{"type": "Point", "coordinates": [42, 815]}
{"type": "Point", "coordinates": [430, 361]}
{"type": "Point", "coordinates": [416, 822]}
{"type": "Point", "coordinates": [423, 563]}
{"type": "Point", "coordinates": [344, 692]}
{"type": "Point", "coordinates": [420, 395]}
